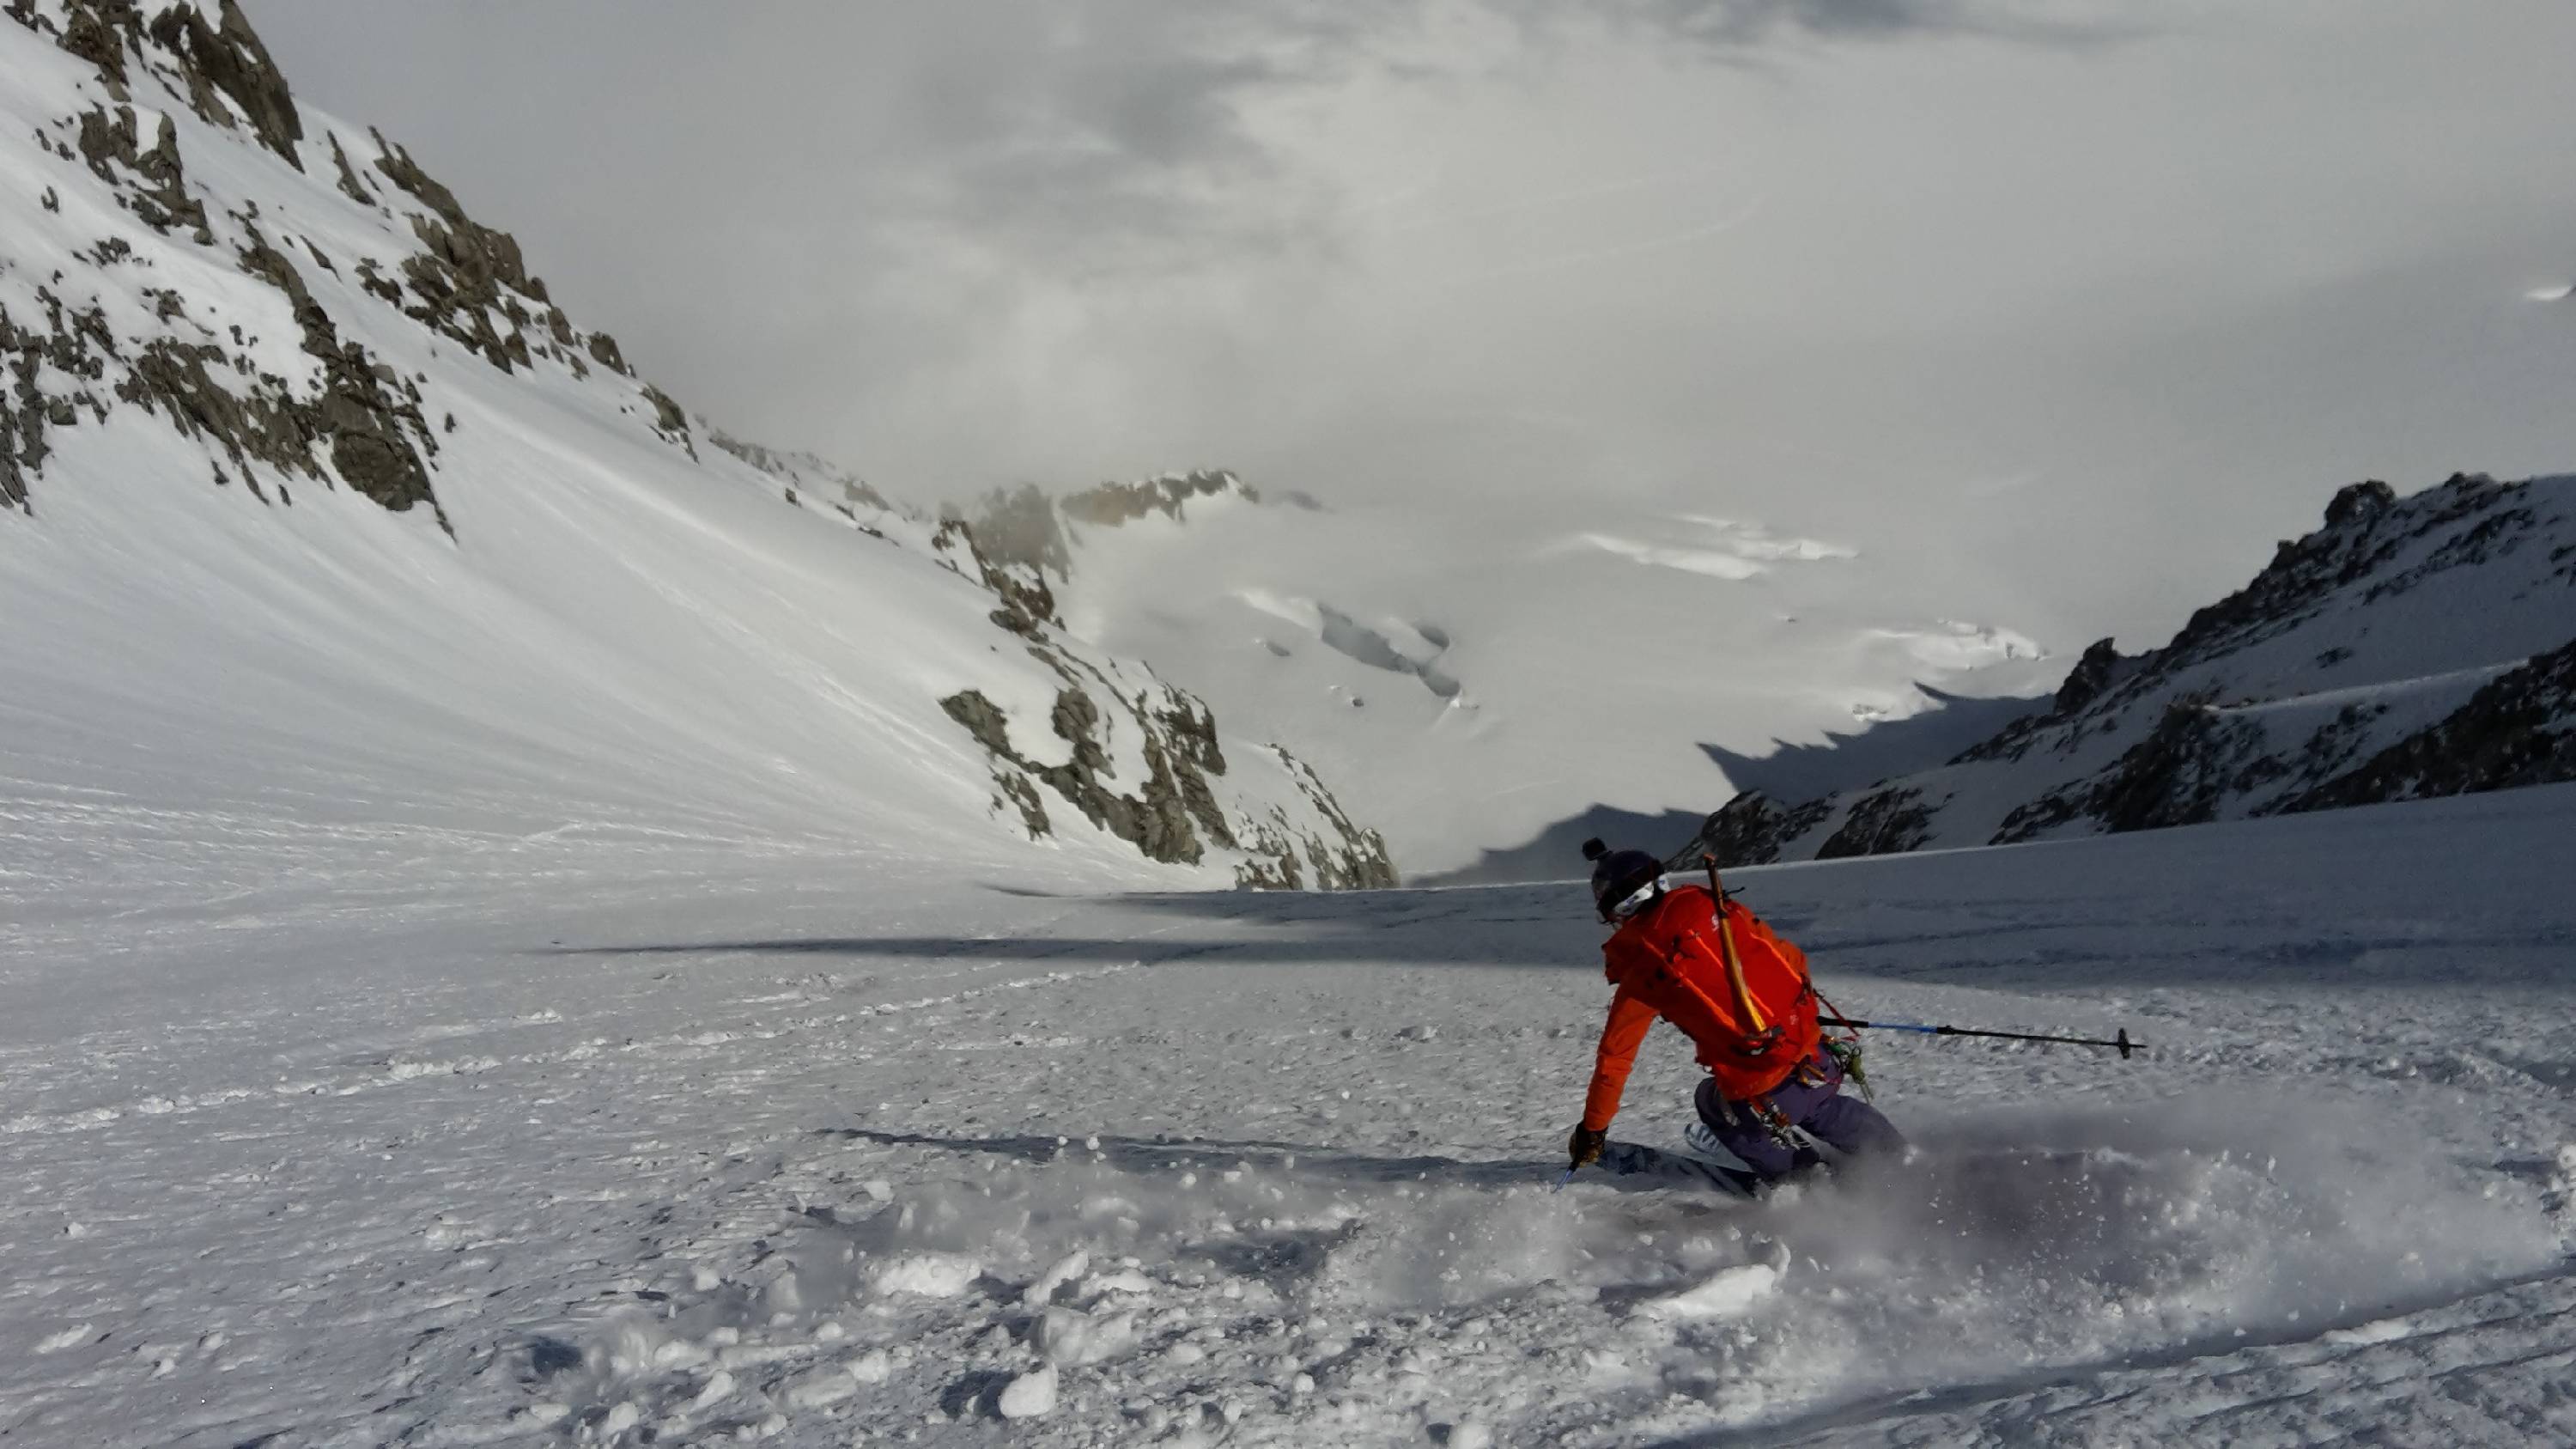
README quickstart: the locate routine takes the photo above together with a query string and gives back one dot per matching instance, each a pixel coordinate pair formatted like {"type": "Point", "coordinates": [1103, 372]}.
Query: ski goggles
{"type": "Point", "coordinates": [1636, 900]}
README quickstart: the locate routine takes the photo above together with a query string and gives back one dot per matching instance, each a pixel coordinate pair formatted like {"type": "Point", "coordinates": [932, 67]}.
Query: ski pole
{"type": "Point", "coordinates": [2121, 1042]}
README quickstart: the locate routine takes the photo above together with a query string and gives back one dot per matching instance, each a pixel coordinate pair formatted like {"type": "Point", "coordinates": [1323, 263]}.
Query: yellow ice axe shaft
{"type": "Point", "coordinates": [1745, 1010]}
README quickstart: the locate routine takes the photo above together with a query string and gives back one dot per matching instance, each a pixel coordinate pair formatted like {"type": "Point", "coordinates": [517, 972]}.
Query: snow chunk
{"type": "Point", "coordinates": [816, 1388]}
{"type": "Point", "coordinates": [2385, 1330]}
{"type": "Point", "coordinates": [1031, 1395]}
{"type": "Point", "coordinates": [1125, 1280]}
{"type": "Point", "coordinates": [1042, 1292]}
{"type": "Point", "coordinates": [1071, 1336]}
{"type": "Point", "coordinates": [928, 1275]}
{"type": "Point", "coordinates": [1723, 1296]}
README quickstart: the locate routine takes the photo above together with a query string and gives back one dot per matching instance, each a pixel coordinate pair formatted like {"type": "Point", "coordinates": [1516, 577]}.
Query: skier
{"type": "Point", "coordinates": [1742, 996]}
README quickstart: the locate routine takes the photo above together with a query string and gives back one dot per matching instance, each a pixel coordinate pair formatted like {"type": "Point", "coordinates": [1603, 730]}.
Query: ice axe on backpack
{"type": "Point", "coordinates": [1745, 1011]}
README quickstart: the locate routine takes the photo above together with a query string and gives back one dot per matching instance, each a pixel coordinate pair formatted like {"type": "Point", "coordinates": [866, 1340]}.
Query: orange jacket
{"type": "Point", "coordinates": [1665, 961]}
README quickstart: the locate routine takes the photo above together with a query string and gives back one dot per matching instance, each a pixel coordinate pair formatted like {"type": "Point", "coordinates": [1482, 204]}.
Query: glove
{"type": "Point", "coordinates": [1585, 1145]}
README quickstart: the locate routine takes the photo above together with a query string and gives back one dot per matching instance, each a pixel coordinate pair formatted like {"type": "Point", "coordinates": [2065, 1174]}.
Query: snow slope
{"type": "Point", "coordinates": [579, 973]}
{"type": "Point", "coordinates": [2410, 647]}
{"type": "Point", "coordinates": [323, 511]}
{"type": "Point", "coordinates": [1478, 679]}
{"type": "Point", "coordinates": [600, 1135]}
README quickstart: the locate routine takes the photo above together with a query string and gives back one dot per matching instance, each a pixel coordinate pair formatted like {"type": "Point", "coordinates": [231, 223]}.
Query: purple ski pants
{"type": "Point", "coordinates": [1850, 1127]}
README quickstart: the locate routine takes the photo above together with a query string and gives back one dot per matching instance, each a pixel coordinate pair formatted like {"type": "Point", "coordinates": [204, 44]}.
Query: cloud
{"type": "Point", "coordinates": [1738, 550]}
{"type": "Point", "coordinates": [1613, 251]}
{"type": "Point", "coordinates": [1735, 24]}
{"type": "Point", "coordinates": [1105, 136]}
{"type": "Point", "coordinates": [2011, 292]}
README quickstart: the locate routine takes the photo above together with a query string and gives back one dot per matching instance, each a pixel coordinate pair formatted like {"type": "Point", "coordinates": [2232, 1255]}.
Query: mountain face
{"type": "Point", "coordinates": [300, 463]}
{"type": "Point", "coordinates": [2409, 648]}
{"type": "Point", "coordinates": [1500, 687]}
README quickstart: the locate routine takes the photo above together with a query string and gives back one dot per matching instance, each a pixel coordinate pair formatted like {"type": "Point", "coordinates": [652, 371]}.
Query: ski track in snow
{"type": "Point", "coordinates": [663, 1135]}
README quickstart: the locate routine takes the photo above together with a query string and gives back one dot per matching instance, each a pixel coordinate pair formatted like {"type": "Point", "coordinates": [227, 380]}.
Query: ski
{"type": "Point", "coordinates": [1631, 1159]}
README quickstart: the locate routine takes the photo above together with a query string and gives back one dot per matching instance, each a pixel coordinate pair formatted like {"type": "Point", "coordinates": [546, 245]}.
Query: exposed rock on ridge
{"type": "Point", "coordinates": [1111, 504]}
{"type": "Point", "coordinates": [227, 60]}
{"type": "Point", "coordinates": [1026, 525]}
{"type": "Point", "coordinates": [2520, 730]}
{"type": "Point", "coordinates": [349, 418]}
{"type": "Point", "coordinates": [1172, 813]}
{"type": "Point", "coordinates": [2409, 647]}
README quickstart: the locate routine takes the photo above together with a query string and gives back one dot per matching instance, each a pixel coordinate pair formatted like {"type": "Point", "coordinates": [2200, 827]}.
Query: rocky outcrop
{"type": "Point", "coordinates": [1156, 816]}
{"type": "Point", "coordinates": [96, 33]}
{"type": "Point", "coordinates": [1172, 814]}
{"type": "Point", "coordinates": [348, 182]}
{"type": "Point", "coordinates": [1111, 504]}
{"type": "Point", "coordinates": [2180, 774]}
{"type": "Point", "coordinates": [1750, 829]}
{"type": "Point", "coordinates": [350, 419]}
{"type": "Point", "coordinates": [1884, 823]}
{"type": "Point", "coordinates": [227, 62]}
{"type": "Point", "coordinates": [470, 282]}
{"type": "Point", "coordinates": [1173, 811]}
{"type": "Point", "coordinates": [2091, 675]}
{"type": "Point", "coordinates": [2519, 730]}
{"type": "Point", "coordinates": [68, 365]}
{"type": "Point", "coordinates": [1028, 605]}
{"type": "Point", "coordinates": [2095, 674]}
{"type": "Point", "coordinates": [360, 415]}
{"type": "Point", "coordinates": [221, 70]}
{"type": "Point", "coordinates": [1342, 855]}
{"type": "Point", "coordinates": [75, 343]}
{"type": "Point", "coordinates": [111, 138]}
{"type": "Point", "coordinates": [670, 419]}
{"type": "Point", "coordinates": [603, 350]}
{"type": "Point", "coordinates": [1026, 525]}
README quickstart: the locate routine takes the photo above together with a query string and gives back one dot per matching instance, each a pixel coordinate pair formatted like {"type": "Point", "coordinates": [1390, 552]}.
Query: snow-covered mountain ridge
{"type": "Point", "coordinates": [2411, 647]}
{"type": "Point", "coordinates": [1494, 680]}
{"type": "Point", "coordinates": [302, 463]}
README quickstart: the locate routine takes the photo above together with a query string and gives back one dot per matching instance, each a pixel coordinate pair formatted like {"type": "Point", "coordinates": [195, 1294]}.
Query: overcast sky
{"type": "Point", "coordinates": [2075, 306]}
